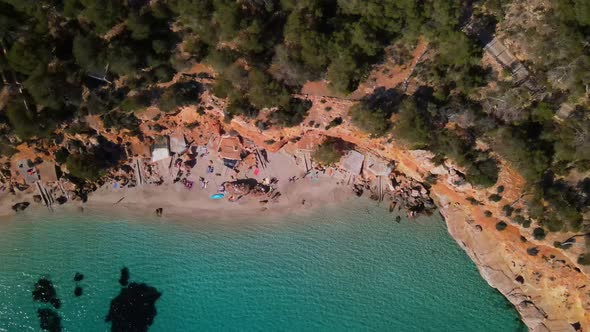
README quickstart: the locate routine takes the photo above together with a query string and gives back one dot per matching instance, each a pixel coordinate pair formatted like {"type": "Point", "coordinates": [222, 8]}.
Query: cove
{"type": "Point", "coordinates": [350, 267]}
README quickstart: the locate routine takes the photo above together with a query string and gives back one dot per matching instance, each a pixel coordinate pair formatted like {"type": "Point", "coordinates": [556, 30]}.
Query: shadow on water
{"type": "Point", "coordinates": [49, 320]}
{"type": "Point", "coordinates": [132, 310]}
{"type": "Point", "coordinates": [124, 279]}
{"type": "Point", "coordinates": [44, 292]}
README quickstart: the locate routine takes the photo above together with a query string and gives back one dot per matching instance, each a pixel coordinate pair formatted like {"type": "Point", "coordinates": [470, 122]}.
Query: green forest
{"type": "Point", "coordinates": [60, 58]}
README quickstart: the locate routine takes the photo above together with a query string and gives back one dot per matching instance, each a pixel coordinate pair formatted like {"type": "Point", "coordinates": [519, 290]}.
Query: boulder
{"type": "Point", "coordinates": [439, 170]}
{"type": "Point", "coordinates": [20, 206]}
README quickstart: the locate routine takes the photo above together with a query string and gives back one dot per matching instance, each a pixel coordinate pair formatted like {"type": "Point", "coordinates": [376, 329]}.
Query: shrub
{"type": "Point", "coordinates": [507, 210]}
{"type": "Point", "coordinates": [519, 219]}
{"type": "Point", "coordinates": [84, 166]}
{"type": "Point", "coordinates": [533, 251]}
{"type": "Point", "coordinates": [264, 92]}
{"type": "Point", "coordinates": [371, 121]}
{"type": "Point", "coordinates": [482, 173]}
{"type": "Point", "coordinates": [539, 233]}
{"type": "Point", "coordinates": [134, 103]}
{"type": "Point", "coordinates": [120, 120]}
{"type": "Point", "coordinates": [412, 126]}
{"type": "Point", "coordinates": [27, 123]}
{"type": "Point", "coordinates": [61, 155]}
{"type": "Point", "coordinates": [6, 149]}
{"type": "Point", "coordinates": [500, 189]}
{"type": "Point", "coordinates": [334, 123]}
{"type": "Point", "coordinates": [330, 151]}
{"type": "Point", "coordinates": [178, 95]}
{"type": "Point", "coordinates": [526, 223]}
{"type": "Point", "coordinates": [293, 114]}
{"type": "Point", "coordinates": [495, 198]}
{"type": "Point", "coordinates": [584, 259]}
{"type": "Point", "coordinates": [553, 223]}
{"type": "Point", "coordinates": [501, 226]}
{"type": "Point", "coordinates": [487, 213]}
{"type": "Point", "coordinates": [431, 179]}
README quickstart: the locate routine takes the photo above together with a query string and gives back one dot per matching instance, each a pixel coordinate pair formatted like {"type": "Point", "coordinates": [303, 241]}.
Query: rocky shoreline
{"type": "Point", "coordinates": [552, 293]}
{"type": "Point", "coordinates": [548, 288]}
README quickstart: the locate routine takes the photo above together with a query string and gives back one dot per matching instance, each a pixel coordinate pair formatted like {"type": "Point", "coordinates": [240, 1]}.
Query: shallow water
{"type": "Point", "coordinates": [351, 268]}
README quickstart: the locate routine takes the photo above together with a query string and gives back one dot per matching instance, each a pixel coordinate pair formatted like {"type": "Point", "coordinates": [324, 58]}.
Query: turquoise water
{"type": "Point", "coordinates": [351, 268]}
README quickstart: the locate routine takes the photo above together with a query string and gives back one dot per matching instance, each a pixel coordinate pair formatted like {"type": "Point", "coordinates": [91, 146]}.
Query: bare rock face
{"type": "Point", "coordinates": [534, 315]}
{"type": "Point", "coordinates": [457, 181]}
{"type": "Point", "coordinates": [548, 297]}
{"type": "Point", "coordinates": [439, 170]}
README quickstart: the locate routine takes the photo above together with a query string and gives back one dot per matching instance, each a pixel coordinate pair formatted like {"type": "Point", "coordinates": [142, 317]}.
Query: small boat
{"type": "Point", "coordinates": [217, 196]}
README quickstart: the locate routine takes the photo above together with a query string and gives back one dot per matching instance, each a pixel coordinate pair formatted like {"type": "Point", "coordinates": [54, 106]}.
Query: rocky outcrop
{"type": "Point", "coordinates": [20, 206]}
{"type": "Point", "coordinates": [530, 283]}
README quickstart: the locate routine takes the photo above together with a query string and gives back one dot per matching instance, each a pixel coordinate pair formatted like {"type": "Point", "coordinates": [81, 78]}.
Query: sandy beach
{"type": "Point", "coordinates": [176, 200]}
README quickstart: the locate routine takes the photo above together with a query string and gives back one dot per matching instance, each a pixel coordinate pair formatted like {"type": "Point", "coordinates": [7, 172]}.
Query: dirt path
{"type": "Point", "coordinates": [386, 75]}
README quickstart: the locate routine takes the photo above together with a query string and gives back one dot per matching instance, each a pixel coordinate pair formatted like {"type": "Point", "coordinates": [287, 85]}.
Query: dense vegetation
{"type": "Point", "coordinates": [64, 59]}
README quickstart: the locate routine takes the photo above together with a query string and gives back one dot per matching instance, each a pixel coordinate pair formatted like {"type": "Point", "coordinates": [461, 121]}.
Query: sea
{"type": "Point", "coordinates": [350, 267]}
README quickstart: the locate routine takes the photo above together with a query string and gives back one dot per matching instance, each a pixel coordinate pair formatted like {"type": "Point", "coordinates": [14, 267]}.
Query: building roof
{"type": "Point", "coordinates": [47, 171]}
{"type": "Point", "coordinates": [377, 166]}
{"type": "Point", "coordinates": [352, 161]}
{"type": "Point", "coordinates": [160, 149]}
{"type": "Point", "coordinates": [177, 142]}
{"type": "Point", "coordinates": [28, 171]}
{"type": "Point", "coordinates": [230, 148]}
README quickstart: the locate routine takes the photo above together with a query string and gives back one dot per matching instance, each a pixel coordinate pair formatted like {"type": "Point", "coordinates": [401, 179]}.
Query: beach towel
{"type": "Point", "coordinates": [256, 171]}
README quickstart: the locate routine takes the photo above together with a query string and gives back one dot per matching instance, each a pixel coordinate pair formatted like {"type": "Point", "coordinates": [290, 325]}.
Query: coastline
{"type": "Point", "coordinates": [490, 256]}
{"type": "Point", "coordinates": [552, 296]}
{"type": "Point", "coordinates": [495, 254]}
{"type": "Point", "coordinates": [345, 232]}
{"type": "Point", "coordinates": [177, 202]}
